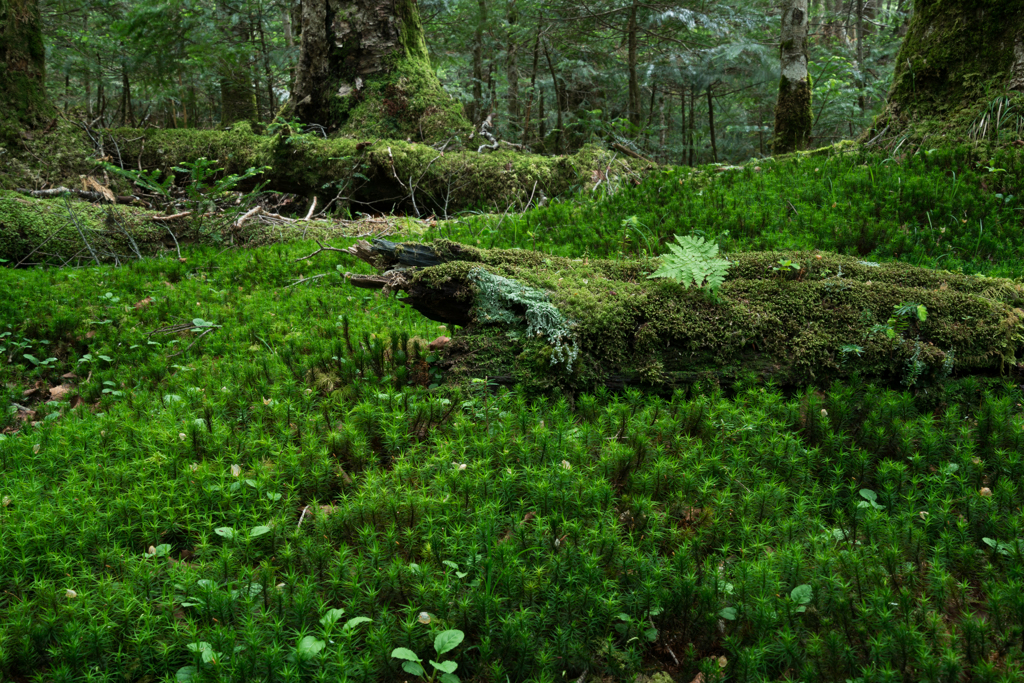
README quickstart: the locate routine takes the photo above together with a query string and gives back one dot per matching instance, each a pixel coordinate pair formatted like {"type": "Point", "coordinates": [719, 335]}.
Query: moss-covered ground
{"type": "Point", "coordinates": [202, 458]}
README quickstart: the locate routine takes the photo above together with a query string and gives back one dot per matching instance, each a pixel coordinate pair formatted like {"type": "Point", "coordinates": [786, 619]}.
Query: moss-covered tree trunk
{"type": "Point", "coordinates": [364, 69]}
{"type": "Point", "coordinates": [542, 321]}
{"type": "Point", "coordinates": [960, 65]}
{"type": "Point", "coordinates": [22, 65]}
{"type": "Point", "coordinates": [793, 117]}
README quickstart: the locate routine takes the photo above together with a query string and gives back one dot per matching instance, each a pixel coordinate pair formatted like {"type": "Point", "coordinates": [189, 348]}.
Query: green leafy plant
{"type": "Point", "coordinates": [693, 263]}
{"type": "Point", "coordinates": [446, 641]}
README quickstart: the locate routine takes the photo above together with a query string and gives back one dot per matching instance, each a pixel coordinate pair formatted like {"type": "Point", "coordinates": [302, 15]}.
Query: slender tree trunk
{"type": "Point", "coordinates": [631, 65]}
{"type": "Point", "coordinates": [271, 98]}
{"type": "Point", "coordinates": [793, 116]}
{"type": "Point", "coordinates": [689, 141]}
{"type": "Point", "coordinates": [559, 97]}
{"type": "Point", "coordinates": [512, 67]}
{"type": "Point", "coordinates": [22, 63]}
{"type": "Point", "coordinates": [533, 88]}
{"type": "Point", "coordinates": [711, 123]}
{"type": "Point", "coordinates": [663, 125]}
{"type": "Point", "coordinates": [477, 112]}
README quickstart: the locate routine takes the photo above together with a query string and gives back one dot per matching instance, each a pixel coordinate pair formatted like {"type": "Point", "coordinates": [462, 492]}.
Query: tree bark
{"type": "Point", "coordinates": [711, 125]}
{"type": "Point", "coordinates": [237, 94]}
{"type": "Point", "coordinates": [512, 66]}
{"type": "Point", "coordinates": [541, 321]}
{"type": "Point", "coordinates": [956, 59]}
{"type": "Point", "coordinates": [631, 65]}
{"type": "Point", "coordinates": [23, 100]}
{"type": "Point", "coordinates": [364, 70]}
{"type": "Point", "coordinates": [793, 116]}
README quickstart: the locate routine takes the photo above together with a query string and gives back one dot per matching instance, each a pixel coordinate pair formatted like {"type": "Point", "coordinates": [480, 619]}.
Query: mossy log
{"type": "Point", "coordinates": [378, 176]}
{"type": "Point", "coordinates": [542, 321]}
{"type": "Point", "coordinates": [56, 232]}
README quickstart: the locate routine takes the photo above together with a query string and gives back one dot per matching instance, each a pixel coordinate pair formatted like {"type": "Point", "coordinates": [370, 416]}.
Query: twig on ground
{"type": "Point", "coordinates": [67, 205]}
{"type": "Point", "coordinates": [312, 208]}
{"type": "Point", "coordinates": [630, 153]}
{"type": "Point", "coordinates": [176, 245]}
{"type": "Point", "coordinates": [207, 331]}
{"type": "Point", "coordinates": [307, 279]}
{"type": "Point", "coordinates": [247, 215]}
{"type": "Point", "coordinates": [530, 201]}
{"type": "Point", "coordinates": [393, 171]}
{"type": "Point", "coordinates": [170, 218]}
{"type": "Point", "coordinates": [322, 248]}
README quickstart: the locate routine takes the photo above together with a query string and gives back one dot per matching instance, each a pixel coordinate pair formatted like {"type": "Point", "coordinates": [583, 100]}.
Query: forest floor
{"type": "Point", "coordinates": [207, 455]}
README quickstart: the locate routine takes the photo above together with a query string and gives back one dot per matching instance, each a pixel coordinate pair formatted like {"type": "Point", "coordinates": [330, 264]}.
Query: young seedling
{"type": "Point", "coordinates": [446, 641]}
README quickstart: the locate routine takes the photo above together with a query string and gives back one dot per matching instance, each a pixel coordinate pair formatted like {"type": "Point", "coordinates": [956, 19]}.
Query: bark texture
{"type": "Point", "coordinates": [958, 60]}
{"type": "Point", "coordinates": [237, 94]}
{"type": "Point", "coordinates": [22, 66]}
{"type": "Point", "coordinates": [543, 322]}
{"type": "Point", "coordinates": [364, 68]}
{"type": "Point", "coordinates": [793, 116]}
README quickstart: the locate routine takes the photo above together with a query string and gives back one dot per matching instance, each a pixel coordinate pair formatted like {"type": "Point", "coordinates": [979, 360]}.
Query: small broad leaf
{"type": "Point", "coordinates": [449, 678]}
{"type": "Point", "coordinates": [210, 657]}
{"type": "Point", "coordinates": [405, 653]}
{"type": "Point", "coordinates": [651, 634]}
{"type": "Point", "coordinates": [259, 531]}
{"type": "Point", "coordinates": [728, 613]}
{"type": "Point", "coordinates": [331, 617]}
{"type": "Point", "coordinates": [186, 674]}
{"type": "Point", "coordinates": [201, 646]}
{"type": "Point", "coordinates": [355, 621]}
{"type": "Point", "coordinates": [922, 313]}
{"type": "Point", "coordinates": [802, 594]}
{"type": "Point", "coordinates": [310, 646]}
{"type": "Point", "coordinates": [448, 640]}
{"type": "Point", "coordinates": [447, 666]}
{"type": "Point", "coordinates": [225, 532]}
{"type": "Point", "coordinates": [413, 668]}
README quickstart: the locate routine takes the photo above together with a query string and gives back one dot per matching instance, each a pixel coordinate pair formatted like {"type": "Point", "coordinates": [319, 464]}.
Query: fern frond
{"type": "Point", "coordinates": [693, 263]}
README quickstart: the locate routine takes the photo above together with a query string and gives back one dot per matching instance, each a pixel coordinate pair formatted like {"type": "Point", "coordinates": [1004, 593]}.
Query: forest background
{"type": "Point", "coordinates": [682, 83]}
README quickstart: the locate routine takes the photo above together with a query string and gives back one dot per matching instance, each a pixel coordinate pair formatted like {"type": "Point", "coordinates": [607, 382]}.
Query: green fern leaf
{"type": "Point", "coordinates": [693, 263]}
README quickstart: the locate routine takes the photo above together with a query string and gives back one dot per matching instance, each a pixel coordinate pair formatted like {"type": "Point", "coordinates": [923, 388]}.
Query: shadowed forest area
{"type": "Point", "coordinates": [508, 340]}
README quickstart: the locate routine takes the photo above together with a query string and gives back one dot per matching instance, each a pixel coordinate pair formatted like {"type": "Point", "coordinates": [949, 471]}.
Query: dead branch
{"type": "Point", "coordinates": [630, 153]}
{"type": "Point", "coordinates": [171, 218]}
{"type": "Point", "coordinates": [312, 208]}
{"type": "Point", "coordinates": [485, 134]}
{"type": "Point", "coordinates": [247, 215]}
{"type": "Point", "coordinates": [323, 248]}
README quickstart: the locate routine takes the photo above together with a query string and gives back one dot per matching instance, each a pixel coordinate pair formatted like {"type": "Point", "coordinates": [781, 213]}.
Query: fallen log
{"type": "Point", "coordinates": [543, 321]}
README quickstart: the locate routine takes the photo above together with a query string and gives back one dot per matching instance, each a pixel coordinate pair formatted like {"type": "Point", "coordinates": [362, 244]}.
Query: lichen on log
{"type": "Point", "coordinates": [833, 317]}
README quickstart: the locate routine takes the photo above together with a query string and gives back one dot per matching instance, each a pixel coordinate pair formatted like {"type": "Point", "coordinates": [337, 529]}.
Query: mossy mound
{"type": "Point", "coordinates": [795, 318]}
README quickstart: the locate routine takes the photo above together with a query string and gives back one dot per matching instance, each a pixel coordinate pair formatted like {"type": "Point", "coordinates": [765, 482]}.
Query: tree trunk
{"type": "Point", "coordinates": [631, 64]}
{"type": "Point", "coordinates": [22, 66]}
{"type": "Point", "coordinates": [512, 67]}
{"type": "Point", "coordinates": [793, 116]}
{"type": "Point", "coordinates": [477, 111]}
{"type": "Point", "coordinates": [542, 321]}
{"type": "Point", "coordinates": [364, 69]}
{"type": "Point", "coordinates": [956, 59]}
{"type": "Point", "coordinates": [711, 125]}
{"type": "Point", "coordinates": [237, 94]}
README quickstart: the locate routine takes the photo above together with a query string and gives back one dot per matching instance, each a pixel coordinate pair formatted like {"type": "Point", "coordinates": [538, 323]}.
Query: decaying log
{"type": "Point", "coordinates": [544, 321]}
